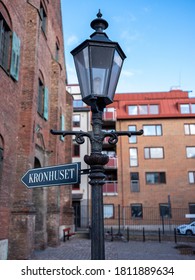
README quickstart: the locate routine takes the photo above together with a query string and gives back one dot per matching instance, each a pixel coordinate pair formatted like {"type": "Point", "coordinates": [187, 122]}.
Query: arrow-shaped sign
{"type": "Point", "coordinates": [67, 174]}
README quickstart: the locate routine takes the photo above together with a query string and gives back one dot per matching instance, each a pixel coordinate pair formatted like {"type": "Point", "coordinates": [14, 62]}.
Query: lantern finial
{"type": "Point", "coordinates": [99, 14]}
{"type": "Point", "coordinates": [99, 24]}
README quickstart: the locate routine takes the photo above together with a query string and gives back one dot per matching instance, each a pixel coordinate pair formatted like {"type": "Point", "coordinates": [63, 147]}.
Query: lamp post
{"type": "Point", "coordinates": [98, 63]}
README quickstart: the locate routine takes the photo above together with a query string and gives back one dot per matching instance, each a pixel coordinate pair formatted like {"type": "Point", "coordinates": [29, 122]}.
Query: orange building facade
{"type": "Point", "coordinates": [152, 175]}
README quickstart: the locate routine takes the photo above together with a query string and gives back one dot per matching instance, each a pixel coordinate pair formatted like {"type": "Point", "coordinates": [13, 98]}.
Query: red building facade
{"type": "Point", "coordinates": [33, 100]}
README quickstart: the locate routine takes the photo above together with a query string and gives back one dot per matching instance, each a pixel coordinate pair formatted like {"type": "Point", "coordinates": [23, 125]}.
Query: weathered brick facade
{"type": "Point", "coordinates": [33, 218]}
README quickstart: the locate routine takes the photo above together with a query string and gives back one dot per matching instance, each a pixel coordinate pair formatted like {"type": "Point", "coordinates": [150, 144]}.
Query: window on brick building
{"type": "Point", "coordinates": [187, 108]}
{"type": "Point", "coordinates": [152, 130]}
{"type": "Point", "coordinates": [15, 57]}
{"type": "Point", "coordinates": [76, 120]}
{"type": "Point", "coordinates": [108, 211]}
{"type": "Point", "coordinates": [146, 109]}
{"type": "Point", "coordinates": [165, 210]}
{"type": "Point", "coordinates": [76, 150]}
{"type": "Point", "coordinates": [189, 129]}
{"type": "Point", "coordinates": [192, 208]}
{"type": "Point", "coordinates": [134, 181]}
{"type": "Point", "coordinates": [190, 152]}
{"type": "Point", "coordinates": [153, 153]}
{"type": "Point", "coordinates": [136, 210]}
{"type": "Point", "coordinates": [133, 157]}
{"type": "Point", "coordinates": [5, 43]}
{"type": "Point", "coordinates": [133, 110]}
{"type": "Point", "coordinates": [9, 45]}
{"type": "Point", "coordinates": [43, 16]}
{"type": "Point", "coordinates": [154, 178]}
{"type": "Point", "coordinates": [133, 138]}
{"type": "Point", "coordinates": [191, 177]}
{"type": "Point", "coordinates": [1, 158]}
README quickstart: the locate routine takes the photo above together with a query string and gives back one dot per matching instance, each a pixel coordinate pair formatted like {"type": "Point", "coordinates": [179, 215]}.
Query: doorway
{"type": "Point", "coordinates": [77, 214]}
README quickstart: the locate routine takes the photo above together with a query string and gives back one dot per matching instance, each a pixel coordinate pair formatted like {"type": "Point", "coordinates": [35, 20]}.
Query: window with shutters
{"type": "Point", "coordinates": [9, 45]}
{"type": "Point", "coordinates": [15, 57]}
{"type": "Point", "coordinates": [5, 43]}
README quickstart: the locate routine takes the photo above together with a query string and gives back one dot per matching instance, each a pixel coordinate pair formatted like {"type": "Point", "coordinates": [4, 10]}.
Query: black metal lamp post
{"type": "Point", "coordinates": [98, 63]}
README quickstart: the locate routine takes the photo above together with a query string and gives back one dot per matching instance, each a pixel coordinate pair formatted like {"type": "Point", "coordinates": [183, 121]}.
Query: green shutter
{"type": "Point", "coordinates": [15, 59]}
{"type": "Point", "coordinates": [62, 126]}
{"type": "Point", "coordinates": [46, 104]}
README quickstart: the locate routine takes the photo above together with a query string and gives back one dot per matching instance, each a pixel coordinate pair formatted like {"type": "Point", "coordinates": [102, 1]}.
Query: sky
{"type": "Point", "coordinates": [157, 36]}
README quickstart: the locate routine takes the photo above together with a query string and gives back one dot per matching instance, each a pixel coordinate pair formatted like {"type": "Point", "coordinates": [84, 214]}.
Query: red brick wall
{"type": "Point", "coordinates": [27, 135]}
{"type": "Point", "coordinates": [9, 121]}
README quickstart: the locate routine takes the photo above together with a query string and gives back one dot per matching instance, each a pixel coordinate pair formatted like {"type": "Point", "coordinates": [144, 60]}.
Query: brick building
{"type": "Point", "coordinates": [150, 176]}
{"type": "Point", "coordinates": [33, 100]}
{"type": "Point", "coordinates": [154, 174]}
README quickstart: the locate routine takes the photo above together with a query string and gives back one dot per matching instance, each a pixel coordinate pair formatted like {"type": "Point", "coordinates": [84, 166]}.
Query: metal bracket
{"type": "Point", "coordinates": [113, 135]}
{"type": "Point", "coordinates": [84, 171]}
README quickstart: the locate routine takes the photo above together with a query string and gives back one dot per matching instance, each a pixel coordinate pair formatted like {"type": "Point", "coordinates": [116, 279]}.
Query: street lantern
{"type": "Point", "coordinates": [98, 64]}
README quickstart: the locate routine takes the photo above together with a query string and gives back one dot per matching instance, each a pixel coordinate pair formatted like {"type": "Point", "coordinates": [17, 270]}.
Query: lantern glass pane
{"type": "Point", "coordinates": [116, 69]}
{"type": "Point", "coordinates": [82, 66]}
{"type": "Point", "coordinates": [101, 62]}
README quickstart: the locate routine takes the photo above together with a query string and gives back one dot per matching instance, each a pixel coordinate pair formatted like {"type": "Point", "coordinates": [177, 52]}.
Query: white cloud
{"type": "Point", "coordinates": [128, 35]}
{"type": "Point", "coordinates": [124, 19]}
{"type": "Point", "coordinates": [127, 73]}
{"type": "Point", "coordinates": [72, 40]}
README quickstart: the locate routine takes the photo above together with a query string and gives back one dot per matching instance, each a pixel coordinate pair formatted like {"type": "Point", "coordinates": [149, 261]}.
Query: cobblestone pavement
{"type": "Point", "coordinates": [80, 249]}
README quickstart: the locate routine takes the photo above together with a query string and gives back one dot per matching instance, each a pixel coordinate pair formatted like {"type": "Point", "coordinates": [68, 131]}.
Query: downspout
{"type": "Point", "coordinates": [122, 180]}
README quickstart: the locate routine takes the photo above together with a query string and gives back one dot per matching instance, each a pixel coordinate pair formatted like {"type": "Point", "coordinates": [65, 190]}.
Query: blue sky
{"type": "Point", "coordinates": [157, 36]}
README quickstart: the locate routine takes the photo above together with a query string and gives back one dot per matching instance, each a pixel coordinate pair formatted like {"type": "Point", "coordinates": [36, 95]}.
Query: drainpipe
{"type": "Point", "coordinates": [122, 180]}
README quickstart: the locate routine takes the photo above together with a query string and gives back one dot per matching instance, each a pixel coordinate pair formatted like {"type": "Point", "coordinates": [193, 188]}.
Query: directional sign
{"type": "Point", "coordinates": [66, 174]}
